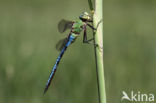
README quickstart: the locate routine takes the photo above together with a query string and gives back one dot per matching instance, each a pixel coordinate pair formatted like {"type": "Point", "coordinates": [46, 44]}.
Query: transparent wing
{"type": "Point", "coordinates": [61, 43]}
{"type": "Point", "coordinates": [64, 25]}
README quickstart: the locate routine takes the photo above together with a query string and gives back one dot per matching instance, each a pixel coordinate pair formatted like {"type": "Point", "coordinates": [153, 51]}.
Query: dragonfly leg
{"type": "Point", "coordinates": [89, 42]}
{"type": "Point", "coordinates": [99, 23]}
{"type": "Point", "coordinates": [96, 26]}
{"type": "Point", "coordinates": [92, 43]}
{"type": "Point", "coordinates": [92, 27]}
{"type": "Point", "coordinates": [85, 40]}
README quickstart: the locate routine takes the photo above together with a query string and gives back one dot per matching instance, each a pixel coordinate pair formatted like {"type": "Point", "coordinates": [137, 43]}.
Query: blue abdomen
{"type": "Point", "coordinates": [71, 38]}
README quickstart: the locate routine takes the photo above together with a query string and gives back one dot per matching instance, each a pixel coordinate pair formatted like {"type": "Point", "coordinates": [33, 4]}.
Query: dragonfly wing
{"type": "Point", "coordinates": [61, 43]}
{"type": "Point", "coordinates": [64, 25]}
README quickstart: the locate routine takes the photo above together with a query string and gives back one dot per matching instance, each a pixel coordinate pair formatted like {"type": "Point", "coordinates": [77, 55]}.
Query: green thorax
{"type": "Point", "coordinates": [77, 26]}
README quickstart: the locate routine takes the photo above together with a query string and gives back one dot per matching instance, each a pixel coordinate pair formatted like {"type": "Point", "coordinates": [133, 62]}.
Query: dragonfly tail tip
{"type": "Point", "coordinates": [45, 90]}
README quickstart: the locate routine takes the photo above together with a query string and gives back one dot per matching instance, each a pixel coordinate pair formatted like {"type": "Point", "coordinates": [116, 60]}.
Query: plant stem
{"type": "Point", "coordinates": [98, 39]}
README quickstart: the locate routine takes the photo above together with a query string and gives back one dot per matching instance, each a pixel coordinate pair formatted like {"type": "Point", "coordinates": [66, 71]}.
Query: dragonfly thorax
{"type": "Point", "coordinates": [78, 26]}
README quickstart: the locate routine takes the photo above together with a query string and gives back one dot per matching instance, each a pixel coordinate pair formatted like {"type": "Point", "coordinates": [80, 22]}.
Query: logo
{"type": "Point", "coordinates": [137, 97]}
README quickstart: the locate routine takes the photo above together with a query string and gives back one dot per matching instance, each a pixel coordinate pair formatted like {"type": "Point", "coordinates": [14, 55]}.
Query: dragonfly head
{"type": "Point", "coordinates": [85, 17]}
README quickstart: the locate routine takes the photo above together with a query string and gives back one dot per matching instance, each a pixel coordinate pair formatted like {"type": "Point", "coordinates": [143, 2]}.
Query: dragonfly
{"type": "Point", "coordinates": [75, 29]}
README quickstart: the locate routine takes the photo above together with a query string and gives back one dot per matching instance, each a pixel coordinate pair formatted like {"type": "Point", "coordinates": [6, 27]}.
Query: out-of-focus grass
{"type": "Point", "coordinates": [28, 34]}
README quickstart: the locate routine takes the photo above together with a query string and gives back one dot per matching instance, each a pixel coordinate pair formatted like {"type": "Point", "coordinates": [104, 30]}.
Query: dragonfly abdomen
{"type": "Point", "coordinates": [70, 40]}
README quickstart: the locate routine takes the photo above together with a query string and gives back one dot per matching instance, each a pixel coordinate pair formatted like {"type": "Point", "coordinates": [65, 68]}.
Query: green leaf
{"type": "Point", "coordinates": [90, 5]}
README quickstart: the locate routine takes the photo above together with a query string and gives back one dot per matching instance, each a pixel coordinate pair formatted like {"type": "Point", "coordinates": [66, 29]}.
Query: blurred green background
{"type": "Point", "coordinates": [28, 34]}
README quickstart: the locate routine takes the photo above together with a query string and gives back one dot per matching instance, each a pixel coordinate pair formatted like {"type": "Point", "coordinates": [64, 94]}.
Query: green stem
{"type": "Point", "coordinates": [98, 39]}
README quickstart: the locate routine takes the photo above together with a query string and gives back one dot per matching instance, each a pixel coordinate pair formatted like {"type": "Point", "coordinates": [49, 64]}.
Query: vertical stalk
{"type": "Point", "coordinates": [98, 39]}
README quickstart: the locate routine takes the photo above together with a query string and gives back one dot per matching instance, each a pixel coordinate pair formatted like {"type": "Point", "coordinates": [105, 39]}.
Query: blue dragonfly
{"type": "Point", "coordinates": [75, 29]}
